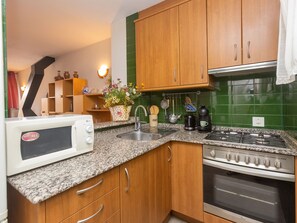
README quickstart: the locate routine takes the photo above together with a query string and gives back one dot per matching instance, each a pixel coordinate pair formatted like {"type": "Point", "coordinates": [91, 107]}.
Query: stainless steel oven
{"type": "Point", "coordinates": [248, 186]}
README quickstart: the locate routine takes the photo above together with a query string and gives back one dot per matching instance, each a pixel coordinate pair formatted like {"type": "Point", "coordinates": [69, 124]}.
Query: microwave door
{"type": "Point", "coordinates": [46, 141]}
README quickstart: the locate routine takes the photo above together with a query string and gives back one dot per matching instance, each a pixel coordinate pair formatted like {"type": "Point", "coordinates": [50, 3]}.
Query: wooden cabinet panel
{"type": "Point", "coordinates": [163, 182]}
{"type": "Point", "coordinates": [260, 20]}
{"type": "Point", "coordinates": [187, 180]}
{"type": "Point", "coordinates": [224, 33]}
{"type": "Point", "coordinates": [157, 54]}
{"type": "Point", "coordinates": [98, 211]}
{"type": "Point", "coordinates": [21, 210]}
{"type": "Point", "coordinates": [59, 91]}
{"type": "Point", "coordinates": [193, 43]}
{"type": "Point", "coordinates": [209, 218]}
{"type": "Point", "coordinates": [68, 202]}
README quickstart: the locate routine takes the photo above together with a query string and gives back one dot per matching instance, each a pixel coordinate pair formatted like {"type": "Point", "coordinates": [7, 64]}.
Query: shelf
{"type": "Point", "coordinates": [53, 97]}
{"type": "Point", "coordinates": [98, 110]}
{"type": "Point", "coordinates": [90, 95]}
{"type": "Point", "coordinates": [69, 96]}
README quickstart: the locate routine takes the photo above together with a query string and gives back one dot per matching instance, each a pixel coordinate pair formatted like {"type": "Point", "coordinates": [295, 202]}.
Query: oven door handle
{"type": "Point", "coordinates": [251, 171]}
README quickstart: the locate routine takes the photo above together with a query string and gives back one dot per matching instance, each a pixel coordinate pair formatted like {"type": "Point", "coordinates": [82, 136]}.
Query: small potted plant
{"type": "Point", "coordinates": [119, 99]}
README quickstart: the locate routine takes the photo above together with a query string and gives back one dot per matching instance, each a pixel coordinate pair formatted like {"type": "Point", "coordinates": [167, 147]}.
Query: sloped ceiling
{"type": "Point", "coordinates": [38, 28]}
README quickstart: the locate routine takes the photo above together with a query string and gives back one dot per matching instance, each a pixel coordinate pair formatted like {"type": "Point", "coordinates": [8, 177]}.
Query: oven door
{"type": "Point", "coordinates": [230, 192]}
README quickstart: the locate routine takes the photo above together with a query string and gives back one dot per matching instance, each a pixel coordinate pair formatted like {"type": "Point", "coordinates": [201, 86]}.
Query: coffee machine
{"type": "Point", "coordinates": [190, 122]}
{"type": "Point", "coordinates": [204, 120]}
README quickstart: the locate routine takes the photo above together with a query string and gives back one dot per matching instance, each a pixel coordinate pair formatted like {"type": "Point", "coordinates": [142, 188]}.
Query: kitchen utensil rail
{"type": "Point", "coordinates": [180, 93]}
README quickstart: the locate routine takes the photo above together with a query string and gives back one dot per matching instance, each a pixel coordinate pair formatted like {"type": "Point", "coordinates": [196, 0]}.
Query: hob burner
{"type": "Point", "coordinates": [248, 138]}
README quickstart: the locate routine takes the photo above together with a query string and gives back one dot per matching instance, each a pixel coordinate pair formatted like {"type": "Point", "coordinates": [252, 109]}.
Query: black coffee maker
{"type": "Point", "coordinates": [190, 122]}
{"type": "Point", "coordinates": [204, 121]}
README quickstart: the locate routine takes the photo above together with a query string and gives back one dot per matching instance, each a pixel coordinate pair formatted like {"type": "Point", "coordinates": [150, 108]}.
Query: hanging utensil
{"type": "Point", "coordinates": [165, 105]}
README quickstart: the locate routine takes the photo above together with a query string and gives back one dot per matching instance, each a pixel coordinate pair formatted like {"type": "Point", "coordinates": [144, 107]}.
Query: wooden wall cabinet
{"type": "Point", "coordinates": [242, 32]}
{"type": "Point", "coordinates": [187, 180]}
{"type": "Point", "coordinates": [145, 187]}
{"type": "Point", "coordinates": [171, 46]}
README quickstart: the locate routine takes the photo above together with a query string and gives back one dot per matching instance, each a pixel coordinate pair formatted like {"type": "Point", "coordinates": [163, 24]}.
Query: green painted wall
{"type": "Point", "coordinates": [234, 101]}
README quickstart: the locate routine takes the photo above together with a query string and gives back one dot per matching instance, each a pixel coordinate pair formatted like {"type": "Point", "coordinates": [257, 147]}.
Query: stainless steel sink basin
{"type": "Point", "coordinates": [146, 134]}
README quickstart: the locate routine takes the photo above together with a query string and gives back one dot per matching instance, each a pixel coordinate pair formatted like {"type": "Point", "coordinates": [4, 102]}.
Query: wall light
{"type": "Point", "coordinates": [103, 71]}
{"type": "Point", "coordinates": [23, 88]}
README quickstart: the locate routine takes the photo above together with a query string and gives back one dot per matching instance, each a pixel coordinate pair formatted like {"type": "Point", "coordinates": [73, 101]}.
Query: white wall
{"type": "Point", "coordinates": [85, 61]}
{"type": "Point", "coordinates": [118, 50]}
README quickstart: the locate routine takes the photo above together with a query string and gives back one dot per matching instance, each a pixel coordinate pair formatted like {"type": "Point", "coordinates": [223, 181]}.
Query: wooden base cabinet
{"type": "Point", "coordinates": [145, 187]}
{"type": "Point", "coordinates": [96, 199]}
{"type": "Point", "coordinates": [187, 180]}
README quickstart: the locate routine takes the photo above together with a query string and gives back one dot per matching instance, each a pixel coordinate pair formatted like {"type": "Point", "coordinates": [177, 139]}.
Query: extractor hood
{"type": "Point", "coordinates": [244, 69]}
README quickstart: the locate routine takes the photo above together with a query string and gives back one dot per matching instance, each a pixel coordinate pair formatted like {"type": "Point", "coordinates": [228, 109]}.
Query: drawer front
{"type": "Point", "coordinates": [116, 218]}
{"type": "Point", "coordinates": [67, 203]}
{"type": "Point", "coordinates": [98, 211]}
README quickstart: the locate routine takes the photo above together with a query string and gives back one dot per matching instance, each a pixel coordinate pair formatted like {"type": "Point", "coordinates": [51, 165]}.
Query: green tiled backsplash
{"type": "Point", "coordinates": [234, 101]}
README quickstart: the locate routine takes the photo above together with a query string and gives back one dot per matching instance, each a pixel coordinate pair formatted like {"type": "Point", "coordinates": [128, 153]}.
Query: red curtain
{"type": "Point", "coordinates": [13, 95]}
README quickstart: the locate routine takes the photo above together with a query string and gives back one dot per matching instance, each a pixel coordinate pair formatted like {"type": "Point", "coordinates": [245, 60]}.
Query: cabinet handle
{"type": "Point", "coordinates": [248, 51]}
{"type": "Point", "coordinates": [202, 71]}
{"type": "Point", "coordinates": [235, 52]}
{"type": "Point", "coordinates": [79, 192]}
{"type": "Point", "coordinates": [128, 180]}
{"type": "Point", "coordinates": [92, 216]}
{"type": "Point", "coordinates": [170, 151]}
{"type": "Point", "coordinates": [174, 74]}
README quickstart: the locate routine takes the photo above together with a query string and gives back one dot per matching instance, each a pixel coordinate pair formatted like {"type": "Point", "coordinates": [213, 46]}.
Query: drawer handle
{"type": "Point", "coordinates": [79, 192]}
{"type": "Point", "coordinates": [92, 216]}
{"type": "Point", "coordinates": [170, 150]}
{"type": "Point", "coordinates": [128, 180]}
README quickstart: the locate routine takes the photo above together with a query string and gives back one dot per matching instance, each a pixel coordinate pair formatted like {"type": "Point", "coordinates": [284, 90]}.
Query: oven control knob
{"type": "Point", "coordinates": [237, 158]}
{"type": "Point", "coordinates": [228, 156]}
{"type": "Point", "coordinates": [213, 153]}
{"type": "Point", "coordinates": [256, 161]}
{"type": "Point", "coordinates": [277, 164]}
{"type": "Point", "coordinates": [247, 159]}
{"type": "Point", "coordinates": [266, 162]}
{"type": "Point", "coordinates": [89, 129]}
{"type": "Point", "coordinates": [89, 140]}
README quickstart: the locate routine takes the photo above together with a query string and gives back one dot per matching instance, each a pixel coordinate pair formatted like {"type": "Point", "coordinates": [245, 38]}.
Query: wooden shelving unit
{"type": "Point", "coordinates": [94, 106]}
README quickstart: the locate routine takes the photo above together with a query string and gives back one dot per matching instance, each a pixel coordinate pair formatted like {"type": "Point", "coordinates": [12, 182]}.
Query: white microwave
{"type": "Point", "coordinates": [37, 141]}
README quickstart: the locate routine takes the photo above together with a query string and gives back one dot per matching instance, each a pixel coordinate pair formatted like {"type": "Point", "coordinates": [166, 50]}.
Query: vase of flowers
{"type": "Point", "coordinates": [119, 99]}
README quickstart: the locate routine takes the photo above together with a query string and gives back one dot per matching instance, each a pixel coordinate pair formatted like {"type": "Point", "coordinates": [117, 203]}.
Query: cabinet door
{"type": "Point", "coordinates": [187, 181]}
{"type": "Point", "coordinates": [193, 43]}
{"type": "Point", "coordinates": [136, 191]}
{"type": "Point", "coordinates": [260, 19]}
{"type": "Point", "coordinates": [157, 50]}
{"type": "Point", "coordinates": [59, 96]}
{"type": "Point", "coordinates": [224, 33]}
{"type": "Point", "coordinates": [145, 187]}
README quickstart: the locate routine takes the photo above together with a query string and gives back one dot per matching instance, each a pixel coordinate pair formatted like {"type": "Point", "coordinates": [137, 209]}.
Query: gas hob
{"type": "Point", "coordinates": [262, 139]}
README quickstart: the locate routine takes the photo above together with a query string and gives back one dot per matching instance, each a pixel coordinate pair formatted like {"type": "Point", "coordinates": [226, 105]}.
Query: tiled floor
{"type": "Point", "coordinates": [175, 220]}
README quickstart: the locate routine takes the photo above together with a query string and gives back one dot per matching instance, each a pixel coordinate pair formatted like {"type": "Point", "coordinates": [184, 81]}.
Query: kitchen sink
{"type": "Point", "coordinates": [147, 134]}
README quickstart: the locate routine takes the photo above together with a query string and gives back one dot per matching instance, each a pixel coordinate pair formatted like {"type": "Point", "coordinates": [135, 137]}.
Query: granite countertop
{"type": "Point", "coordinates": [42, 183]}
